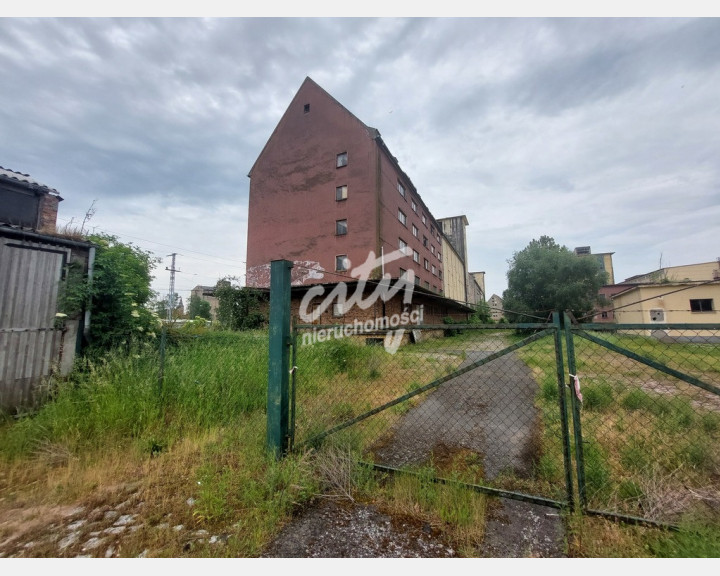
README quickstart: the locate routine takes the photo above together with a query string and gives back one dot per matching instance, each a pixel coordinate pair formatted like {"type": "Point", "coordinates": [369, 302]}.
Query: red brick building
{"type": "Point", "coordinates": [327, 194]}
{"type": "Point", "coordinates": [325, 191]}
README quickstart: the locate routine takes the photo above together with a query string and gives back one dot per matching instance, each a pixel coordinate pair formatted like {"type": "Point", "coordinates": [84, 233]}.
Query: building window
{"type": "Point", "coordinates": [401, 189]}
{"type": "Point", "coordinates": [432, 249]}
{"type": "Point", "coordinates": [306, 108]}
{"type": "Point", "coordinates": [434, 270]}
{"type": "Point", "coordinates": [432, 230]}
{"type": "Point", "coordinates": [434, 288]}
{"type": "Point", "coordinates": [416, 256]}
{"type": "Point", "coordinates": [440, 273]}
{"type": "Point", "coordinates": [341, 160]}
{"type": "Point", "coordinates": [426, 264]}
{"type": "Point", "coordinates": [402, 217]}
{"type": "Point", "coordinates": [341, 263]}
{"type": "Point", "coordinates": [417, 280]}
{"type": "Point", "coordinates": [425, 241]}
{"type": "Point", "coordinates": [341, 227]}
{"type": "Point", "coordinates": [403, 246]}
{"type": "Point", "coordinates": [424, 220]}
{"type": "Point", "coordinates": [657, 315]}
{"type": "Point", "coordinates": [337, 310]}
{"type": "Point", "coordinates": [427, 285]}
{"type": "Point", "coordinates": [415, 231]}
{"type": "Point", "coordinates": [403, 273]}
{"type": "Point", "coordinates": [414, 206]}
{"type": "Point", "coordinates": [340, 193]}
{"type": "Point", "coordinates": [701, 305]}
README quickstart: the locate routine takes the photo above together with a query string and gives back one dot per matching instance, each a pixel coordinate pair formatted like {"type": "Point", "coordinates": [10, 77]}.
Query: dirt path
{"type": "Point", "coordinates": [488, 411]}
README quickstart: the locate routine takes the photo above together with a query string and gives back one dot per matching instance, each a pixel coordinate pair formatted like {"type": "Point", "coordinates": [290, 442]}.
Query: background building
{"type": "Point", "coordinates": [496, 307]}
{"type": "Point", "coordinates": [675, 294]}
{"type": "Point", "coordinates": [207, 293]}
{"type": "Point", "coordinates": [460, 283]}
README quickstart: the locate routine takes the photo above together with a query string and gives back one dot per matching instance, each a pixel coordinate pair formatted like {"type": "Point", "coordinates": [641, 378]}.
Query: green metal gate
{"type": "Point", "coordinates": [484, 405]}
{"type": "Point", "coordinates": [490, 406]}
{"type": "Point", "coordinates": [647, 430]}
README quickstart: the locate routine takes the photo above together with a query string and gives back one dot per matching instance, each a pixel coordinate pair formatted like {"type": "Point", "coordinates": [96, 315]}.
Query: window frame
{"type": "Point", "coordinates": [339, 227]}
{"type": "Point", "coordinates": [341, 160]}
{"type": "Point", "coordinates": [403, 246]}
{"type": "Point", "coordinates": [341, 193]}
{"type": "Point", "coordinates": [402, 217]}
{"type": "Point", "coordinates": [341, 258]}
{"type": "Point", "coordinates": [698, 305]}
{"type": "Point", "coordinates": [401, 189]}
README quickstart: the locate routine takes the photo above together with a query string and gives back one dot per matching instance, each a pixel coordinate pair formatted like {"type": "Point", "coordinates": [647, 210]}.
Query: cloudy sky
{"type": "Point", "coordinates": [597, 132]}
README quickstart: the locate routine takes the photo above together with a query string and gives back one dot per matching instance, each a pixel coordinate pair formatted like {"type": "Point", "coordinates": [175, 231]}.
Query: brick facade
{"type": "Point", "coordinates": [326, 190]}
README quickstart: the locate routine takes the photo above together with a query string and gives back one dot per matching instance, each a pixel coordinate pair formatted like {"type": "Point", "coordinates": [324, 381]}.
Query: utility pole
{"type": "Point", "coordinates": [171, 294]}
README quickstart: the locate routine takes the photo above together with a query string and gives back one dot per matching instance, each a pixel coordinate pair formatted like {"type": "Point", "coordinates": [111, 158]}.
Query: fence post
{"type": "Point", "coordinates": [557, 321]}
{"type": "Point", "coordinates": [279, 362]}
{"type": "Point", "coordinates": [575, 406]}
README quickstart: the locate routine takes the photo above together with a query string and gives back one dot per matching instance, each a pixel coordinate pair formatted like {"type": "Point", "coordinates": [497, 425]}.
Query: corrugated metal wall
{"type": "Point", "coordinates": [30, 346]}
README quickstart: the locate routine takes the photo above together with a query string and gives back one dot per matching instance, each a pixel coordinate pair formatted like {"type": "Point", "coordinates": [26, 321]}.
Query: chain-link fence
{"type": "Point", "coordinates": [648, 427]}
{"type": "Point", "coordinates": [635, 434]}
{"type": "Point", "coordinates": [458, 399]}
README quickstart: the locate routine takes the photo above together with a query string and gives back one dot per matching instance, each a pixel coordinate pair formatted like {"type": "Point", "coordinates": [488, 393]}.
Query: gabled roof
{"type": "Point", "coordinates": [309, 81]}
{"type": "Point", "coordinates": [26, 180]}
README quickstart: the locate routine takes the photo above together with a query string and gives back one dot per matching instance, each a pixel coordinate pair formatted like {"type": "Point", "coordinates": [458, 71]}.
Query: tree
{"type": "Point", "coordinates": [239, 308]}
{"type": "Point", "coordinates": [161, 307]}
{"type": "Point", "coordinates": [482, 314]}
{"type": "Point", "coordinates": [545, 276]}
{"type": "Point", "coordinates": [119, 293]}
{"type": "Point", "coordinates": [198, 308]}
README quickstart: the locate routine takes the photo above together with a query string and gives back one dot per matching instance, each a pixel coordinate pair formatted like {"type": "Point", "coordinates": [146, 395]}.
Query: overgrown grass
{"type": "Point", "coordinates": [209, 381]}
{"type": "Point", "coordinates": [342, 379]}
{"type": "Point", "coordinates": [199, 436]}
{"type": "Point", "coordinates": [650, 442]}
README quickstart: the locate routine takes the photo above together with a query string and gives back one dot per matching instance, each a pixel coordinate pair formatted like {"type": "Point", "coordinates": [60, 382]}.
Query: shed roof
{"type": "Point", "coordinates": [26, 180]}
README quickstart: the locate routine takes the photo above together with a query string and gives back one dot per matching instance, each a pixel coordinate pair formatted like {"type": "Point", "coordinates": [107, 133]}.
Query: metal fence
{"type": "Point", "coordinates": [623, 420]}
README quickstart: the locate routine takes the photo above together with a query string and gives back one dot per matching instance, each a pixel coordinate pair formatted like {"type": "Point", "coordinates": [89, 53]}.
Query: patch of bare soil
{"type": "Point", "coordinates": [333, 529]}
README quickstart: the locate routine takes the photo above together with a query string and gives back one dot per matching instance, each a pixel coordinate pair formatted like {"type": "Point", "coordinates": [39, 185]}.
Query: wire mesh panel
{"type": "Point", "coordinates": [649, 418]}
{"type": "Point", "coordinates": [466, 401]}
